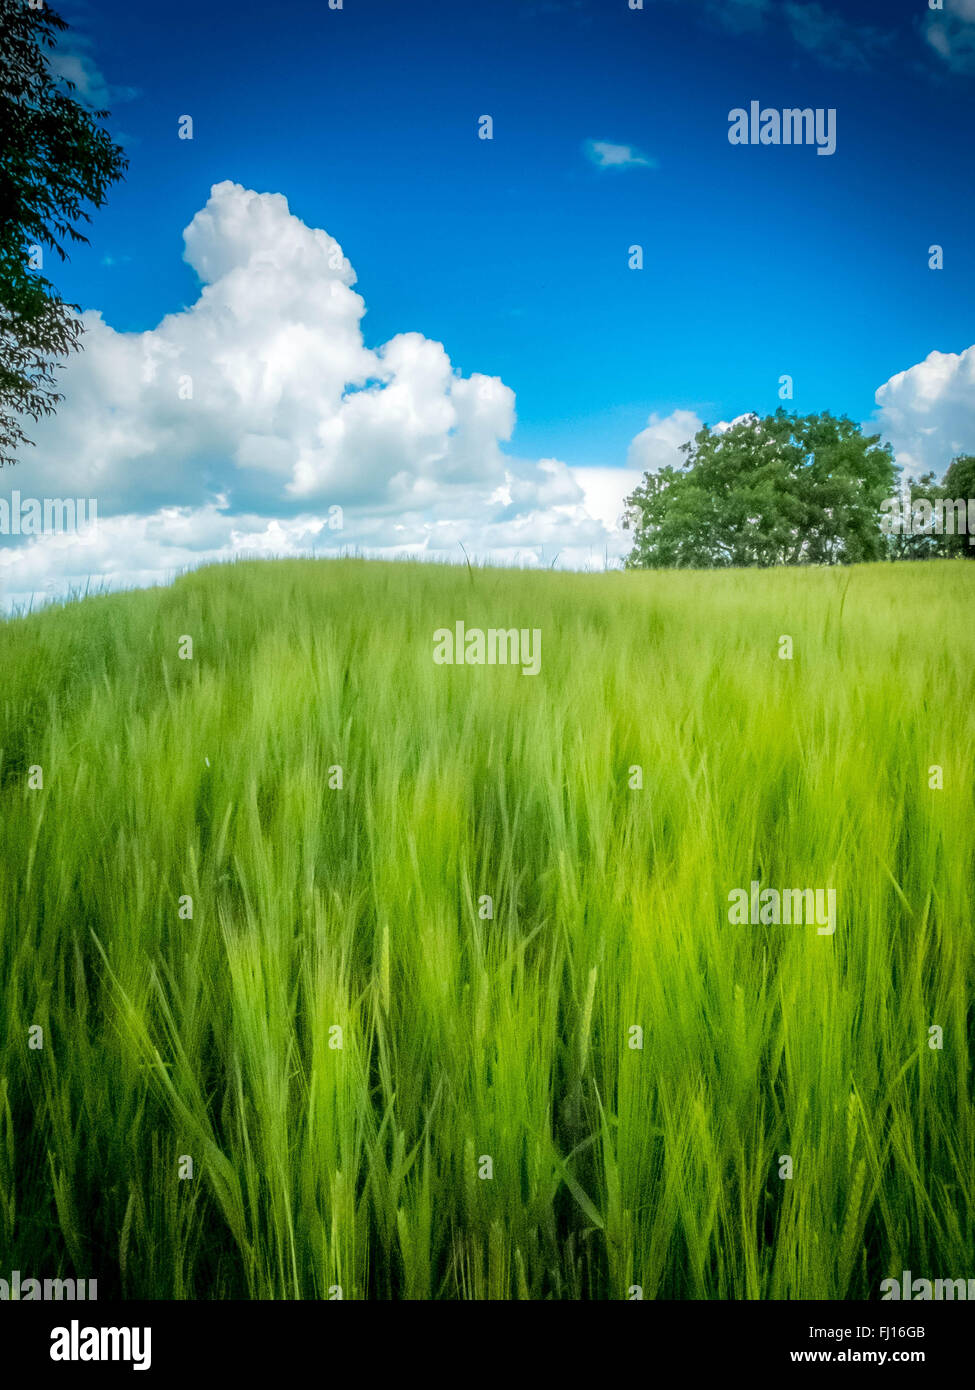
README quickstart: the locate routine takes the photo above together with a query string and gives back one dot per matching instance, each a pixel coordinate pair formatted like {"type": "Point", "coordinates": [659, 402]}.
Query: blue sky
{"type": "Point", "coordinates": [513, 252]}
{"type": "Point", "coordinates": [758, 261]}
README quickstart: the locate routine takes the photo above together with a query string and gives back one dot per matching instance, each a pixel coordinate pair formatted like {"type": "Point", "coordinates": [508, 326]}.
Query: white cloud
{"type": "Point", "coordinates": [723, 426]}
{"type": "Point", "coordinates": [607, 156]}
{"type": "Point", "coordinates": [951, 33]}
{"type": "Point", "coordinates": [928, 411]}
{"type": "Point", "coordinates": [659, 443]}
{"type": "Point", "coordinates": [237, 422]}
{"type": "Point", "coordinates": [604, 491]}
{"type": "Point", "coordinates": [233, 426]}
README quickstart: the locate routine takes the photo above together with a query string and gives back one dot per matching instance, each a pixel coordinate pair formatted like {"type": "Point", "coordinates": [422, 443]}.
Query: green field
{"type": "Point", "coordinates": [466, 1038]}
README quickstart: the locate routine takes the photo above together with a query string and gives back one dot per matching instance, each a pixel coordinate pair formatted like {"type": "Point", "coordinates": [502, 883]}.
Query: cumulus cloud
{"type": "Point", "coordinates": [236, 424]}
{"type": "Point", "coordinates": [247, 422]}
{"type": "Point", "coordinates": [604, 491]}
{"type": "Point", "coordinates": [749, 417]}
{"type": "Point", "coordinates": [659, 443]}
{"type": "Point", "coordinates": [951, 34]}
{"type": "Point", "coordinates": [928, 411]}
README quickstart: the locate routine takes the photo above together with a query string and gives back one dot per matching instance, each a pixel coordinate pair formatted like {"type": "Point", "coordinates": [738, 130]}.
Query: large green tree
{"type": "Point", "coordinates": [55, 159]}
{"type": "Point", "coordinates": [787, 489]}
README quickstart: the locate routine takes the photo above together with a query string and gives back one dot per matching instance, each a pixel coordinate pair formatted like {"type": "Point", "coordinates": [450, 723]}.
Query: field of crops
{"type": "Point", "coordinates": [329, 970]}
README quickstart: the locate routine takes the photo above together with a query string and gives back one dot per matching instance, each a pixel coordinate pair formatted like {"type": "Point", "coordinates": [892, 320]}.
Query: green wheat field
{"type": "Point", "coordinates": [380, 1092]}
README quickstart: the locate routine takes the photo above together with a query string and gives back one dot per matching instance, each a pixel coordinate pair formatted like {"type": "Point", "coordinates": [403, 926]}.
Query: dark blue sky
{"type": "Point", "coordinates": [513, 253]}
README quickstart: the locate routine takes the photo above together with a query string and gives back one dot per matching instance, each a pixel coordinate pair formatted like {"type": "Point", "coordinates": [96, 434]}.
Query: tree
{"type": "Point", "coordinates": [907, 536]}
{"type": "Point", "coordinates": [932, 520]}
{"type": "Point", "coordinates": [959, 483]}
{"type": "Point", "coordinates": [787, 489]}
{"type": "Point", "coordinates": [54, 159]}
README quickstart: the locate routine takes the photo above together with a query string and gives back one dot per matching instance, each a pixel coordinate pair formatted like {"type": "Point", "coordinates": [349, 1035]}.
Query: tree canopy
{"type": "Point", "coordinates": [54, 159]}
{"type": "Point", "coordinates": [786, 489]}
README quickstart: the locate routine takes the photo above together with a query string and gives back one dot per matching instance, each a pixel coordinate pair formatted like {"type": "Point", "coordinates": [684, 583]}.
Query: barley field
{"type": "Point", "coordinates": [329, 971]}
